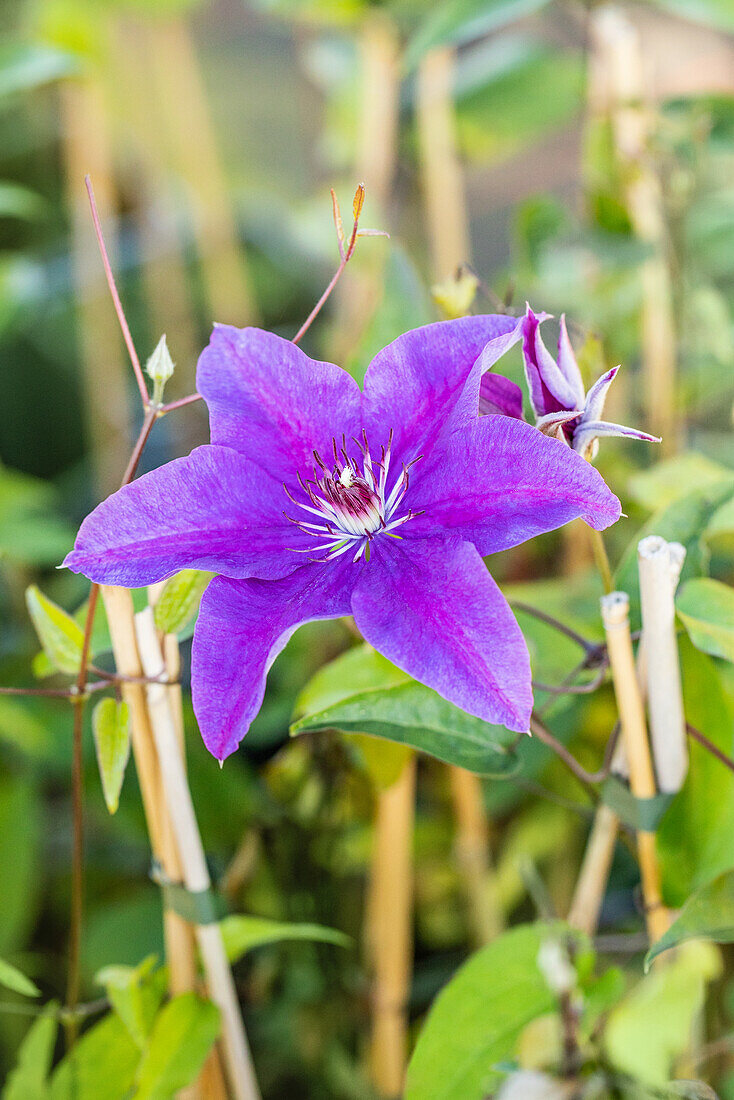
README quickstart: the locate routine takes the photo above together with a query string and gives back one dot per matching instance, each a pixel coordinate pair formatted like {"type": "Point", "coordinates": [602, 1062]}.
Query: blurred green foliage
{"type": "Point", "coordinates": [287, 824]}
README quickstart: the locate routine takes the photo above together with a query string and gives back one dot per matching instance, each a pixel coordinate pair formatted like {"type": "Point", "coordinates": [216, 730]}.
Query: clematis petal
{"type": "Point", "coordinates": [213, 510]}
{"type": "Point", "coordinates": [419, 386]}
{"type": "Point", "coordinates": [589, 430]}
{"type": "Point", "coordinates": [498, 395]}
{"type": "Point", "coordinates": [501, 481]}
{"type": "Point", "coordinates": [567, 363]}
{"type": "Point", "coordinates": [551, 390]}
{"type": "Point", "coordinates": [435, 611]}
{"type": "Point", "coordinates": [272, 403]}
{"type": "Point", "coordinates": [597, 395]}
{"type": "Point", "coordinates": [241, 629]}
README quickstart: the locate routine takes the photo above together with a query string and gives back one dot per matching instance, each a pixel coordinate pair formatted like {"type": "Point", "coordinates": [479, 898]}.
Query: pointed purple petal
{"type": "Point", "coordinates": [417, 386]}
{"type": "Point", "coordinates": [212, 510]}
{"type": "Point", "coordinates": [499, 395]}
{"type": "Point", "coordinates": [588, 431]}
{"type": "Point", "coordinates": [502, 481]}
{"type": "Point", "coordinates": [567, 363]}
{"type": "Point", "coordinates": [550, 390]}
{"type": "Point", "coordinates": [433, 609]}
{"type": "Point", "coordinates": [272, 403]}
{"type": "Point", "coordinates": [597, 395]}
{"type": "Point", "coordinates": [241, 629]}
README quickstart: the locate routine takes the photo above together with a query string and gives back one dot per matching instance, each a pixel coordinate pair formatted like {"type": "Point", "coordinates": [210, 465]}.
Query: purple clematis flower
{"type": "Point", "coordinates": [315, 500]}
{"type": "Point", "coordinates": [561, 405]}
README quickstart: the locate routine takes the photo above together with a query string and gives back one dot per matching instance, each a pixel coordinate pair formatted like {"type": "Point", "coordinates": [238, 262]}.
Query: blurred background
{"type": "Point", "coordinates": [579, 156]}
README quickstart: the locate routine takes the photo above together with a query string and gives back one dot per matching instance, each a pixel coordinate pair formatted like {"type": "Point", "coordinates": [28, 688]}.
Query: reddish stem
{"type": "Point", "coordinates": [346, 256]}
{"type": "Point", "coordinates": [139, 377]}
{"type": "Point", "coordinates": [180, 403]}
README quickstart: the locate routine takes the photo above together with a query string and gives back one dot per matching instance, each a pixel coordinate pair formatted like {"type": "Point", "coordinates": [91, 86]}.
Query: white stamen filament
{"type": "Point", "coordinates": [352, 506]}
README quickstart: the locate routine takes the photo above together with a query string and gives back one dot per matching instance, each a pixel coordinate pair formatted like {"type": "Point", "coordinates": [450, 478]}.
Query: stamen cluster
{"type": "Point", "coordinates": [351, 501]}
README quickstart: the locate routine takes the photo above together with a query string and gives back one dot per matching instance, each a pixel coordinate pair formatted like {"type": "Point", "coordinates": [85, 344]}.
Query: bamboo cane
{"type": "Point", "coordinates": [390, 930]}
{"type": "Point", "coordinates": [474, 856]}
{"type": "Point", "coordinates": [594, 873]}
{"type": "Point", "coordinates": [442, 180]}
{"type": "Point", "coordinates": [220, 985]}
{"type": "Point", "coordinates": [615, 614]}
{"type": "Point", "coordinates": [662, 667]}
{"type": "Point", "coordinates": [191, 147]}
{"type": "Point", "coordinates": [621, 91]}
{"type": "Point", "coordinates": [377, 138]}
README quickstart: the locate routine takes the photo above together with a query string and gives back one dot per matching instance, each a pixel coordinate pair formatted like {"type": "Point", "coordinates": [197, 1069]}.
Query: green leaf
{"type": "Point", "coordinates": [102, 1064]}
{"type": "Point", "coordinates": [695, 839]}
{"type": "Point", "coordinates": [61, 637]}
{"type": "Point", "coordinates": [14, 979]}
{"type": "Point", "coordinates": [182, 1036]}
{"type": "Point", "coordinates": [361, 692]}
{"type": "Point", "coordinates": [477, 1018]}
{"type": "Point", "coordinates": [111, 728]}
{"type": "Point", "coordinates": [682, 521]}
{"type": "Point", "coordinates": [21, 829]}
{"type": "Point", "coordinates": [20, 728]}
{"type": "Point", "coordinates": [243, 933]}
{"type": "Point", "coordinates": [707, 914]}
{"type": "Point", "coordinates": [457, 21]}
{"type": "Point", "coordinates": [721, 522]}
{"type": "Point", "coordinates": [179, 601]}
{"type": "Point", "coordinates": [134, 996]}
{"type": "Point", "coordinates": [23, 67]}
{"type": "Point", "coordinates": [28, 1079]}
{"type": "Point", "coordinates": [651, 1027]}
{"type": "Point", "coordinates": [706, 607]}
{"type": "Point", "coordinates": [673, 478]}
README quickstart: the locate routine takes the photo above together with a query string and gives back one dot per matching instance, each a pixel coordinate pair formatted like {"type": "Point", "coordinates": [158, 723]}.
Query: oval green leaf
{"type": "Point", "coordinates": [61, 637]}
{"type": "Point", "coordinates": [362, 692]}
{"type": "Point", "coordinates": [179, 601]}
{"type": "Point", "coordinates": [706, 608]}
{"type": "Point", "coordinates": [477, 1018]}
{"type": "Point", "coordinates": [242, 933]}
{"type": "Point", "coordinates": [708, 914]}
{"type": "Point", "coordinates": [111, 729]}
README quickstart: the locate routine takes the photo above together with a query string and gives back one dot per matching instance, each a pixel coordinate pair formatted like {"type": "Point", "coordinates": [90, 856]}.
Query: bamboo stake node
{"type": "Point", "coordinates": [657, 568]}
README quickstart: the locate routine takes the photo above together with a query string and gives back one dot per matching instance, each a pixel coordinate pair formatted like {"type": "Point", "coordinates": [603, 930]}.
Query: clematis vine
{"type": "Point", "coordinates": [316, 500]}
{"type": "Point", "coordinates": [561, 405]}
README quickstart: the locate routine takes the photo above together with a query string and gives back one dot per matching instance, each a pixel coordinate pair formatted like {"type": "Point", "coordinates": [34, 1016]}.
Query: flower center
{"type": "Point", "coordinates": [351, 501]}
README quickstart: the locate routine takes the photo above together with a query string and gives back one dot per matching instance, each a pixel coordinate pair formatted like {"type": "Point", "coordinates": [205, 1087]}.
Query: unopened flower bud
{"type": "Point", "coordinates": [160, 366]}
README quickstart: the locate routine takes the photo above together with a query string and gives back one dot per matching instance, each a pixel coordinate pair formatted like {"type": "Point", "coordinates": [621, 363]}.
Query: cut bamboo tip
{"type": "Point", "coordinates": [659, 564]}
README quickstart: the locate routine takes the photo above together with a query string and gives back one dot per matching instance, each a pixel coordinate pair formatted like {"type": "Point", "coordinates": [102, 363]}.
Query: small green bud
{"type": "Point", "coordinates": [160, 367]}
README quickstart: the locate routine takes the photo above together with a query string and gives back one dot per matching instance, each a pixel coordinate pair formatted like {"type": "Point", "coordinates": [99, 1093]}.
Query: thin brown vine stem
{"type": "Point", "coordinates": [180, 403]}
{"type": "Point", "coordinates": [543, 734]}
{"type": "Point", "coordinates": [549, 620]}
{"type": "Point", "coordinates": [709, 746]}
{"type": "Point", "coordinates": [78, 701]}
{"type": "Point", "coordinates": [151, 415]}
{"type": "Point", "coordinates": [138, 370]}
